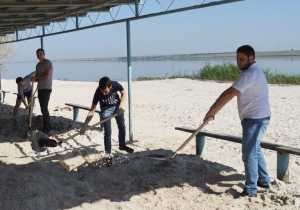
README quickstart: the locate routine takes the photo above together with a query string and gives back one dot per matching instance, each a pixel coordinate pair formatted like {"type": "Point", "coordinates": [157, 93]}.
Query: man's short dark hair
{"type": "Point", "coordinates": [104, 82]}
{"type": "Point", "coordinates": [19, 79]}
{"type": "Point", "coordinates": [40, 49]}
{"type": "Point", "coordinates": [247, 50]}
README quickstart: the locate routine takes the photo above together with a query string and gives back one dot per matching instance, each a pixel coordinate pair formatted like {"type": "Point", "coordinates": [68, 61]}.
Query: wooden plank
{"type": "Point", "coordinates": [266, 145]}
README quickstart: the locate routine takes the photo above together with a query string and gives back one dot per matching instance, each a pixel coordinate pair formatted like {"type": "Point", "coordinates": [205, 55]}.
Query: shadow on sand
{"type": "Point", "coordinates": [45, 184]}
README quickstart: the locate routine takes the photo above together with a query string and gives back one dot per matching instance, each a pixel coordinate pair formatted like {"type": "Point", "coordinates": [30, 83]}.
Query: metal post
{"type": "Point", "coordinates": [200, 146]}
{"type": "Point", "coordinates": [43, 28]}
{"type": "Point", "coordinates": [77, 23]}
{"type": "Point", "coordinates": [136, 8]}
{"type": "Point", "coordinates": [17, 34]}
{"type": "Point", "coordinates": [0, 85]}
{"type": "Point", "coordinates": [75, 113]}
{"type": "Point", "coordinates": [129, 78]}
{"type": "Point", "coordinates": [4, 95]}
{"type": "Point", "coordinates": [283, 166]}
{"type": "Point", "coordinates": [42, 42]}
{"type": "Point", "coordinates": [42, 37]}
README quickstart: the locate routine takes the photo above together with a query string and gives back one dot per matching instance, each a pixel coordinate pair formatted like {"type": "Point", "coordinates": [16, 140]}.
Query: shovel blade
{"type": "Point", "coordinates": [161, 157]}
{"type": "Point", "coordinates": [44, 142]}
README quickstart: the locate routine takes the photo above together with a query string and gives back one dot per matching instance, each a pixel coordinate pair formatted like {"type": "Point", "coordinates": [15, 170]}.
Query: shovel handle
{"type": "Point", "coordinates": [193, 135]}
{"type": "Point", "coordinates": [91, 127]}
{"type": "Point", "coordinates": [32, 98]}
{"type": "Point", "coordinates": [30, 111]}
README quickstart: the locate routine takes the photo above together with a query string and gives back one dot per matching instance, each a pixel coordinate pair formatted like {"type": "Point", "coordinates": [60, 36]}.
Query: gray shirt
{"type": "Point", "coordinates": [27, 87]}
{"type": "Point", "coordinates": [41, 71]}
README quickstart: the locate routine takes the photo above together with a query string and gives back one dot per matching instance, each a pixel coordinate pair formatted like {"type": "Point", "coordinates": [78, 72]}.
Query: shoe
{"type": "Point", "coordinates": [245, 194]}
{"type": "Point", "coordinates": [262, 185]}
{"type": "Point", "coordinates": [127, 149]}
{"type": "Point", "coordinates": [109, 162]}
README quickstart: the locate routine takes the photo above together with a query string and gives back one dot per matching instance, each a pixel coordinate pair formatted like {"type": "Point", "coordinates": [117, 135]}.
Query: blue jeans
{"type": "Point", "coordinates": [253, 158]}
{"type": "Point", "coordinates": [107, 111]}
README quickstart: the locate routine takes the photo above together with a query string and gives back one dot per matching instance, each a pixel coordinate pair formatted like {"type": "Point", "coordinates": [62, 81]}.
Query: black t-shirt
{"type": "Point", "coordinates": [111, 99]}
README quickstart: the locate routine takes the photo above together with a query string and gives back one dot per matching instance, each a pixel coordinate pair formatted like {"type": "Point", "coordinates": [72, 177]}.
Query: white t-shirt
{"type": "Point", "coordinates": [253, 100]}
{"type": "Point", "coordinates": [27, 87]}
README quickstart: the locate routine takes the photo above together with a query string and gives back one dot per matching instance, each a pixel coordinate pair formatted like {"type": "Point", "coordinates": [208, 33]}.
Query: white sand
{"type": "Point", "coordinates": [31, 180]}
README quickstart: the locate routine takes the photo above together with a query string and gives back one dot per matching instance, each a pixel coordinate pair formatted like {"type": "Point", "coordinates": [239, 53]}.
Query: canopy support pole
{"type": "Point", "coordinates": [129, 78]}
{"type": "Point", "coordinates": [42, 37]}
{"type": "Point", "coordinates": [137, 8]}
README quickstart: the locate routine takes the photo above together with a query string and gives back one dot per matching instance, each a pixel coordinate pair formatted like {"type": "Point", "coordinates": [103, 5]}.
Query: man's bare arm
{"type": "Point", "coordinates": [223, 99]}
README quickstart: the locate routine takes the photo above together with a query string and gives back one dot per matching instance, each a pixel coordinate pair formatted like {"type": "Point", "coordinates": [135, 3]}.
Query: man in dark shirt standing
{"type": "Point", "coordinates": [43, 76]}
{"type": "Point", "coordinates": [110, 103]}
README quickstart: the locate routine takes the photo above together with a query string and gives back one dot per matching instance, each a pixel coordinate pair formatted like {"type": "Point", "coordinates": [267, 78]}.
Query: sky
{"type": "Point", "coordinates": [266, 25]}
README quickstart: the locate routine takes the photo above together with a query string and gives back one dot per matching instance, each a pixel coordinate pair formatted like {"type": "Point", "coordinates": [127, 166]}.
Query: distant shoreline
{"type": "Point", "coordinates": [179, 57]}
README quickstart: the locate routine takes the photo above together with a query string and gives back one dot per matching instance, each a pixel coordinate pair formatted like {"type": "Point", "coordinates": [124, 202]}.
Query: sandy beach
{"type": "Point", "coordinates": [32, 179]}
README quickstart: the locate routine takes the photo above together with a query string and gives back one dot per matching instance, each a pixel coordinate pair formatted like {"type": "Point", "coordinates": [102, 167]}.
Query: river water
{"type": "Point", "coordinates": [94, 70]}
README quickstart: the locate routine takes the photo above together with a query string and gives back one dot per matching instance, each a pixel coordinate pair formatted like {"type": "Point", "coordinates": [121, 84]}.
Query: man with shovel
{"type": "Point", "coordinates": [43, 76]}
{"type": "Point", "coordinates": [110, 103]}
{"type": "Point", "coordinates": [24, 90]}
{"type": "Point", "coordinates": [251, 89]}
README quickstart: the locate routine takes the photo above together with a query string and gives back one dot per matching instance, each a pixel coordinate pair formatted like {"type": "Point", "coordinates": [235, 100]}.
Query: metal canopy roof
{"type": "Point", "coordinates": [17, 15]}
{"type": "Point", "coordinates": [28, 19]}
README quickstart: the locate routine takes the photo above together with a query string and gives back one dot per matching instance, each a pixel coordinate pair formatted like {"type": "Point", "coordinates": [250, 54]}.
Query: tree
{"type": "Point", "coordinates": [6, 52]}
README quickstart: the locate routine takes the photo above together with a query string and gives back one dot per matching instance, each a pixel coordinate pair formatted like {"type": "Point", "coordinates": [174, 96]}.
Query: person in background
{"type": "Point", "coordinates": [251, 89]}
{"type": "Point", "coordinates": [110, 103]}
{"type": "Point", "coordinates": [43, 76]}
{"type": "Point", "coordinates": [24, 90]}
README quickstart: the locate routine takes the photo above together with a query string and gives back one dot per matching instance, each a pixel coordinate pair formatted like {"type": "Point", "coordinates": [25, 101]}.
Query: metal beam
{"type": "Point", "coordinates": [77, 10]}
{"type": "Point", "coordinates": [27, 23]}
{"type": "Point", "coordinates": [45, 12]}
{"type": "Point", "coordinates": [59, 5]}
{"type": "Point", "coordinates": [41, 5]}
{"type": "Point", "coordinates": [141, 17]}
{"type": "Point", "coordinates": [81, 14]}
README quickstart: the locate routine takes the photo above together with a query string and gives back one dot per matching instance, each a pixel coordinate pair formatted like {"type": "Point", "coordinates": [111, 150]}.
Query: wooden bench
{"type": "Point", "coordinates": [76, 108]}
{"type": "Point", "coordinates": [283, 152]}
{"type": "Point", "coordinates": [4, 95]}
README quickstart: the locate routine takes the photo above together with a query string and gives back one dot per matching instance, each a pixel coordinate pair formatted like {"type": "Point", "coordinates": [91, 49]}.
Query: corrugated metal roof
{"type": "Point", "coordinates": [26, 14]}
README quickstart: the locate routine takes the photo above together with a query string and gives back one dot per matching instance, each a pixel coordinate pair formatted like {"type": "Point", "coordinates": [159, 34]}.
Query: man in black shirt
{"type": "Point", "coordinates": [110, 103]}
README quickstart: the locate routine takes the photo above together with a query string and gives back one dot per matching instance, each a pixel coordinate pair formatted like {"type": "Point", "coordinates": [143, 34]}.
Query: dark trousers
{"type": "Point", "coordinates": [106, 112]}
{"type": "Point", "coordinates": [44, 97]}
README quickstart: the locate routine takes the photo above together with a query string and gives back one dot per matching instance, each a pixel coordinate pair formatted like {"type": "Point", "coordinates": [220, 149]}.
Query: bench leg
{"type": "Point", "coordinates": [200, 146]}
{"type": "Point", "coordinates": [34, 103]}
{"type": "Point", "coordinates": [75, 113]}
{"type": "Point", "coordinates": [283, 166]}
{"type": "Point", "coordinates": [0, 97]}
{"type": "Point", "coordinates": [4, 95]}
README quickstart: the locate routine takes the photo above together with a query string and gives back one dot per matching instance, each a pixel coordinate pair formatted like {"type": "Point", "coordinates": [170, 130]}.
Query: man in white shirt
{"type": "Point", "coordinates": [251, 89]}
